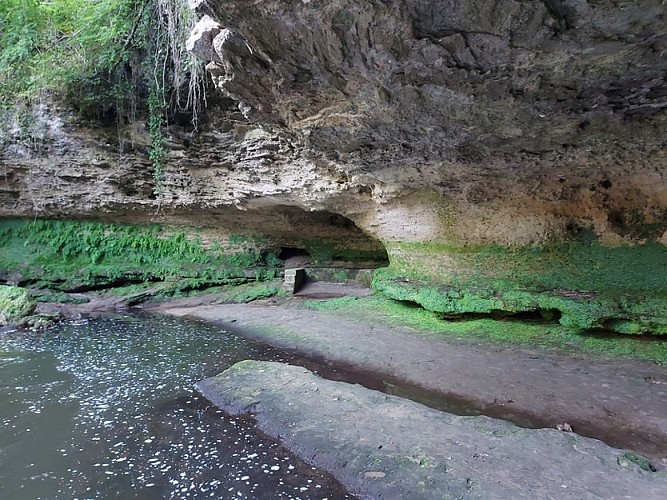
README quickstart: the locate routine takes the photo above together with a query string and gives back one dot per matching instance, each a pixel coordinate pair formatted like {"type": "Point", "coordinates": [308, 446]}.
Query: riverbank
{"type": "Point", "coordinates": [531, 374]}
{"type": "Point", "coordinates": [621, 401]}
{"type": "Point", "coordinates": [382, 446]}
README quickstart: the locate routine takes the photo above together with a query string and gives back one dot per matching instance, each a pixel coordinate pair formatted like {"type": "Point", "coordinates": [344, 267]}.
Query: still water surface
{"type": "Point", "coordinates": [106, 408]}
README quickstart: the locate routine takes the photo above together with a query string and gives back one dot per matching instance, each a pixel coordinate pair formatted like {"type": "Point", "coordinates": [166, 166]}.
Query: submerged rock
{"type": "Point", "coordinates": [383, 446]}
{"type": "Point", "coordinates": [41, 320]}
{"type": "Point", "coordinates": [15, 304]}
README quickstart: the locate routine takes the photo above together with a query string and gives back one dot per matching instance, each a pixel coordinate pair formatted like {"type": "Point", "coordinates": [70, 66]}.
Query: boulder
{"type": "Point", "coordinates": [15, 304]}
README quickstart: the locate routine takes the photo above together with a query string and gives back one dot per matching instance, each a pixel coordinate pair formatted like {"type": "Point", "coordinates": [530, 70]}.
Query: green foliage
{"type": "Point", "coordinates": [103, 56]}
{"type": "Point", "coordinates": [272, 260]}
{"type": "Point", "coordinates": [66, 254]}
{"type": "Point", "coordinates": [61, 43]}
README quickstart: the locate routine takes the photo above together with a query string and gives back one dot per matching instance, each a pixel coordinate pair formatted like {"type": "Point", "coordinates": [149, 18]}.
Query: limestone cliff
{"type": "Point", "coordinates": [510, 155]}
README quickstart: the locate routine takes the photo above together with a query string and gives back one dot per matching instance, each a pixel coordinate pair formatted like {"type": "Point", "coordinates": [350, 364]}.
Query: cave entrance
{"type": "Point", "coordinates": [326, 239]}
{"type": "Point", "coordinates": [329, 247]}
{"type": "Point", "coordinates": [287, 253]}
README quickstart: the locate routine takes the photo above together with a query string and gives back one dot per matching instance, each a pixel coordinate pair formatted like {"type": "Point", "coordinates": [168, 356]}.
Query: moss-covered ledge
{"type": "Point", "coordinates": [70, 256]}
{"type": "Point", "coordinates": [582, 283]}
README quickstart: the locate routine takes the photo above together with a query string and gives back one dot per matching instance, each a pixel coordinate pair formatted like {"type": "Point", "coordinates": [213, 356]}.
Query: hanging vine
{"type": "Point", "coordinates": [136, 64]}
{"type": "Point", "coordinates": [158, 152]}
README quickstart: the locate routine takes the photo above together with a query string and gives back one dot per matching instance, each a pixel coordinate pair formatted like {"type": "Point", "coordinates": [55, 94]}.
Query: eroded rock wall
{"type": "Point", "coordinates": [445, 130]}
{"type": "Point", "coordinates": [514, 151]}
{"type": "Point", "coordinates": [523, 116]}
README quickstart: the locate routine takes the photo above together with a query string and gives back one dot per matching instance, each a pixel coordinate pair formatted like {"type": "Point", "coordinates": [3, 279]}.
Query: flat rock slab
{"type": "Point", "coordinates": [386, 447]}
{"type": "Point", "coordinates": [622, 402]}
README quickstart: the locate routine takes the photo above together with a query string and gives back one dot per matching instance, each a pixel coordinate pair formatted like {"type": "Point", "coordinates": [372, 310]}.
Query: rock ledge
{"type": "Point", "coordinates": [383, 446]}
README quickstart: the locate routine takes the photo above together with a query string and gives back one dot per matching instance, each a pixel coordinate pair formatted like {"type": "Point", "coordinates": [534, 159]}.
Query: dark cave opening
{"type": "Point", "coordinates": [291, 252]}
{"type": "Point", "coordinates": [326, 239]}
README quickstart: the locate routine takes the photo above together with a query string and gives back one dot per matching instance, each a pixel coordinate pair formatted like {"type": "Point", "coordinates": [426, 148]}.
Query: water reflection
{"type": "Point", "coordinates": [106, 409]}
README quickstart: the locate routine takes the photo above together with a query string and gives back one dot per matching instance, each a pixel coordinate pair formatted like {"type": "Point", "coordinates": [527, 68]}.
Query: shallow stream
{"type": "Point", "coordinates": [106, 408]}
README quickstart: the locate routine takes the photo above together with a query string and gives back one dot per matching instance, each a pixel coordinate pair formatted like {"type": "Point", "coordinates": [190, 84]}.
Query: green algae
{"type": "Point", "coordinates": [590, 286]}
{"type": "Point", "coordinates": [15, 304]}
{"type": "Point", "coordinates": [173, 289]}
{"type": "Point", "coordinates": [629, 314]}
{"type": "Point", "coordinates": [506, 332]}
{"type": "Point", "coordinates": [642, 462]}
{"type": "Point", "coordinates": [255, 291]}
{"type": "Point", "coordinates": [574, 265]}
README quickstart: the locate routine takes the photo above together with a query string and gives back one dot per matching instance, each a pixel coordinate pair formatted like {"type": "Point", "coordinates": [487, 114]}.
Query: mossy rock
{"type": "Point", "coordinates": [582, 283]}
{"type": "Point", "coordinates": [41, 320]}
{"type": "Point", "coordinates": [15, 303]}
{"type": "Point", "coordinates": [627, 314]}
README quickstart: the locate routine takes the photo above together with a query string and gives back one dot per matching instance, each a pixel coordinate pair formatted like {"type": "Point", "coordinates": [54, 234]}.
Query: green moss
{"type": "Point", "coordinates": [624, 314]}
{"type": "Point", "coordinates": [41, 320]}
{"type": "Point", "coordinates": [250, 292]}
{"type": "Point", "coordinates": [57, 297]}
{"type": "Point", "coordinates": [67, 255]}
{"type": "Point", "coordinates": [15, 304]}
{"type": "Point", "coordinates": [237, 293]}
{"type": "Point", "coordinates": [591, 286]}
{"type": "Point", "coordinates": [573, 265]}
{"type": "Point", "coordinates": [331, 304]}
{"type": "Point", "coordinates": [57, 48]}
{"type": "Point", "coordinates": [642, 462]}
{"type": "Point", "coordinates": [341, 276]}
{"type": "Point", "coordinates": [506, 331]}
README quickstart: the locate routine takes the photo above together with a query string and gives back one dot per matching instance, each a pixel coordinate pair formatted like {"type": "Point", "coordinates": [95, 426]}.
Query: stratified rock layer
{"type": "Point", "coordinates": [441, 130]}
{"type": "Point", "coordinates": [526, 120]}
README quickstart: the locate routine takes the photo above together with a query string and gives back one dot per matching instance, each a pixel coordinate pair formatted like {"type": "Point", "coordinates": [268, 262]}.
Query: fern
{"type": "Point", "coordinates": [58, 250]}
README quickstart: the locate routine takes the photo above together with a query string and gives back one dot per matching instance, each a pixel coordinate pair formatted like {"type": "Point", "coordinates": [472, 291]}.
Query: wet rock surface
{"type": "Point", "coordinates": [383, 446]}
{"type": "Point", "coordinates": [623, 402]}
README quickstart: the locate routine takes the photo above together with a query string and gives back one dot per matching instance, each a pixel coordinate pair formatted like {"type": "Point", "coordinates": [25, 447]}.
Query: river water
{"type": "Point", "coordinates": [105, 408]}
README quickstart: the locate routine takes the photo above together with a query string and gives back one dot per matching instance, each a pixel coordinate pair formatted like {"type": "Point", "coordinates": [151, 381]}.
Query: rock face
{"type": "Point", "coordinates": [454, 126]}
{"type": "Point", "coordinates": [383, 446]}
{"type": "Point", "coordinates": [523, 117]}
